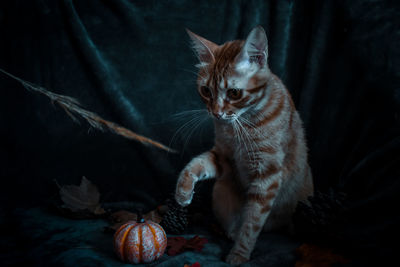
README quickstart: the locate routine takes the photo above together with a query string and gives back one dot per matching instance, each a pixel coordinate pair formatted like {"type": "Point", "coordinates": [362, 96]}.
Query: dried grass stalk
{"type": "Point", "coordinates": [73, 108]}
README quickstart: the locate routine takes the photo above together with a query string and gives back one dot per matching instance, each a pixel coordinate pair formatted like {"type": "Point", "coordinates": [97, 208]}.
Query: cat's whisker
{"type": "Point", "coordinates": [253, 144]}
{"type": "Point", "coordinates": [247, 121]}
{"type": "Point", "coordinates": [191, 81]}
{"type": "Point", "coordinates": [256, 114]}
{"type": "Point", "coordinates": [189, 112]}
{"type": "Point", "coordinates": [248, 138]}
{"type": "Point", "coordinates": [190, 71]}
{"type": "Point", "coordinates": [242, 134]}
{"type": "Point", "coordinates": [251, 125]}
{"type": "Point", "coordinates": [182, 128]}
{"type": "Point", "coordinates": [183, 115]}
{"type": "Point", "coordinates": [199, 122]}
{"type": "Point", "coordinates": [236, 130]}
{"type": "Point", "coordinates": [254, 128]}
{"type": "Point", "coordinates": [194, 72]}
{"type": "Point", "coordinates": [237, 134]}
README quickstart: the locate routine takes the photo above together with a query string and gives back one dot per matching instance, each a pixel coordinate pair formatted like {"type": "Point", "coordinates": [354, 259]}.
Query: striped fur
{"type": "Point", "coordinates": [260, 156]}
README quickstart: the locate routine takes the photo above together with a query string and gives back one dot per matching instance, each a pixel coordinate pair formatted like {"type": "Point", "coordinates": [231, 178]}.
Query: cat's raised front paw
{"type": "Point", "coordinates": [235, 259]}
{"type": "Point", "coordinates": [183, 198]}
{"type": "Point", "coordinates": [184, 188]}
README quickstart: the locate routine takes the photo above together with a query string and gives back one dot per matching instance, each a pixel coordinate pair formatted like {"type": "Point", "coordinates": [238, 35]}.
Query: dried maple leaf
{"type": "Point", "coordinates": [175, 245]}
{"type": "Point", "coordinates": [122, 216]}
{"type": "Point", "coordinates": [196, 243]}
{"type": "Point", "coordinates": [179, 244]}
{"type": "Point", "coordinates": [118, 218]}
{"type": "Point", "coordinates": [196, 264]}
{"type": "Point", "coordinates": [153, 215]}
{"type": "Point", "coordinates": [311, 255]}
{"type": "Point", "coordinates": [82, 197]}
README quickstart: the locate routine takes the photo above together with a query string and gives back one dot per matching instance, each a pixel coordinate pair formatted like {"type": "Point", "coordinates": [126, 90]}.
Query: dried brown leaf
{"type": "Point", "coordinates": [85, 196]}
{"type": "Point", "coordinates": [122, 216]}
{"type": "Point", "coordinates": [179, 244]}
{"type": "Point", "coordinates": [153, 215]}
{"type": "Point", "coordinates": [99, 210]}
{"type": "Point", "coordinates": [312, 255]}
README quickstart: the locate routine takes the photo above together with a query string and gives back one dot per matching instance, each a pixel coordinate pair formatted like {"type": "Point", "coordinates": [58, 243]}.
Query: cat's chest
{"type": "Point", "coordinates": [240, 149]}
{"type": "Point", "coordinates": [241, 142]}
{"type": "Point", "coordinates": [245, 149]}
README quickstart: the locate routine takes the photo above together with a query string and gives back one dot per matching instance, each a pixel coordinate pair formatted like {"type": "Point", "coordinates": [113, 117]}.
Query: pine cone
{"type": "Point", "coordinates": [175, 219]}
{"type": "Point", "coordinates": [323, 217]}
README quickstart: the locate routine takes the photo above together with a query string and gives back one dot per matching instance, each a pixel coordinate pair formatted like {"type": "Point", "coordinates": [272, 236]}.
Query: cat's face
{"type": "Point", "coordinates": [232, 76]}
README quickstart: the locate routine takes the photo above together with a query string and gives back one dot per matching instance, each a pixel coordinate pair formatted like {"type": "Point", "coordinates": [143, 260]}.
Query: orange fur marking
{"type": "Point", "coordinates": [252, 102]}
{"type": "Point", "coordinates": [242, 246]}
{"type": "Point", "coordinates": [292, 109]}
{"type": "Point", "coordinates": [224, 57]}
{"type": "Point", "coordinates": [270, 170]}
{"type": "Point", "coordinates": [270, 196]}
{"type": "Point", "coordinates": [255, 218]}
{"type": "Point", "coordinates": [266, 208]}
{"type": "Point", "coordinates": [290, 157]}
{"type": "Point", "coordinates": [241, 103]}
{"type": "Point", "coordinates": [256, 89]}
{"type": "Point", "coordinates": [215, 161]}
{"type": "Point", "coordinates": [256, 198]}
{"type": "Point", "coordinates": [260, 198]}
{"type": "Point", "coordinates": [268, 149]}
{"type": "Point", "coordinates": [274, 185]}
{"type": "Point", "coordinates": [256, 228]}
{"type": "Point", "coordinates": [273, 114]}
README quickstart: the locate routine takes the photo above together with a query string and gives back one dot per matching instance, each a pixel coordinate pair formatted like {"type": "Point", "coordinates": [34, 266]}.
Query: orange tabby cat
{"type": "Point", "coordinates": [259, 158]}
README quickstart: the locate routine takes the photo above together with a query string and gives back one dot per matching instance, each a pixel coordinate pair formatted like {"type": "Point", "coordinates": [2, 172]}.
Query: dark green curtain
{"type": "Point", "coordinates": [131, 62]}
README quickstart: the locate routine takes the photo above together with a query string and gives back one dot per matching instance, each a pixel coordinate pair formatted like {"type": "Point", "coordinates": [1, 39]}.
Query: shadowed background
{"type": "Point", "coordinates": [131, 62]}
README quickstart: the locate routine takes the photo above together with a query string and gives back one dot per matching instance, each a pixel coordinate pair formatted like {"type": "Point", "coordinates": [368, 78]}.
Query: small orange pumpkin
{"type": "Point", "coordinates": [140, 241]}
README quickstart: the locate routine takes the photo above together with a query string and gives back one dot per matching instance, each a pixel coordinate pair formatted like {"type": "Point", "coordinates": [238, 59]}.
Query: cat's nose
{"type": "Point", "coordinates": [217, 115]}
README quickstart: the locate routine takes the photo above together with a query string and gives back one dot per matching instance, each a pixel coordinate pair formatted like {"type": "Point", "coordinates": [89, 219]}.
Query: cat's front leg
{"type": "Point", "coordinates": [259, 200]}
{"type": "Point", "coordinates": [202, 167]}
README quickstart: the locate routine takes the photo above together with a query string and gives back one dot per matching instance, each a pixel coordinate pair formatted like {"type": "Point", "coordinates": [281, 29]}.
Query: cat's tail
{"type": "Point", "coordinates": [73, 108]}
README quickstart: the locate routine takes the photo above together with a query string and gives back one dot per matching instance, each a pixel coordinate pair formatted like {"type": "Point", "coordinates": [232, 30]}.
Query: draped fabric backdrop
{"type": "Point", "coordinates": [131, 62]}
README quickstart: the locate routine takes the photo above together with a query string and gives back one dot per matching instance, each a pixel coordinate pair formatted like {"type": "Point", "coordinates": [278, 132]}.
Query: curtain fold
{"type": "Point", "coordinates": [131, 62]}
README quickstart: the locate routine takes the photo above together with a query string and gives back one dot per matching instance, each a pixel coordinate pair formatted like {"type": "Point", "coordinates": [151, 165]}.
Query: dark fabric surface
{"type": "Point", "coordinates": [130, 61]}
{"type": "Point", "coordinates": [57, 241]}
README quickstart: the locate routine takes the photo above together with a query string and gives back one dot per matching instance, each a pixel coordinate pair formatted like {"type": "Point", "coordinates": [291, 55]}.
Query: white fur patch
{"type": "Point", "coordinates": [241, 81]}
{"type": "Point", "coordinates": [201, 65]}
{"type": "Point", "coordinates": [246, 68]}
{"type": "Point", "coordinates": [243, 66]}
{"type": "Point", "coordinates": [222, 84]}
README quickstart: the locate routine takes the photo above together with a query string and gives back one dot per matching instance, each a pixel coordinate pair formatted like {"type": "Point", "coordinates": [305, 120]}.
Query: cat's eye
{"type": "Point", "coordinates": [205, 91]}
{"type": "Point", "coordinates": [234, 94]}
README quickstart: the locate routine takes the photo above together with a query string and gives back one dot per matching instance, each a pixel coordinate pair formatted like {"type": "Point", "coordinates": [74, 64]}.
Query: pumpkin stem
{"type": "Point", "coordinates": [140, 216]}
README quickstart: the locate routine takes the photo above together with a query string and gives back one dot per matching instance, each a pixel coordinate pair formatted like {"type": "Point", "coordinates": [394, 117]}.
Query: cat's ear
{"type": "Point", "coordinates": [203, 48]}
{"type": "Point", "coordinates": [255, 49]}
